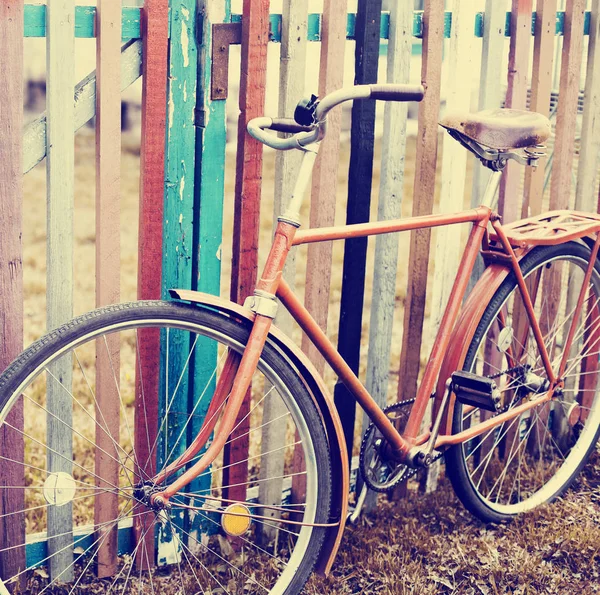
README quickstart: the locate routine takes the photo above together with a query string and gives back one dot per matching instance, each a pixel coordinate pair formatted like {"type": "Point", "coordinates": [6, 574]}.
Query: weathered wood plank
{"type": "Point", "coordinates": [516, 97]}
{"type": "Point", "coordinates": [589, 148]}
{"type": "Point", "coordinates": [150, 241]}
{"type": "Point", "coordinates": [287, 163]}
{"type": "Point", "coordinates": [391, 192]}
{"type": "Point", "coordinates": [178, 230]}
{"type": "Point", "coordinates": [447, 252]}
{"type": "Point", "coordinates": [566, 115]}
{"type": "Point", "coordinates": [424, 189]}
{"type": "Point", "coordinates": [211, 138]}
{"type": "Point", "coordinates": [60, 58]}
{"type": "Point", "coordinates": [248, 179]}
{"type": "Point", "coordinates": [108, 271]}
{"type": "Point", "coordinates": [12, 561]}
{"type": "Point", "coordinates": [324, 179]}
{"type": "Point", "coordinates": [541, 87]}
{"type": "Point", "coordinates": [360, 174]}
{"type": "Point", "coordinates": [564, 150]}
{"type": "Point", "coordinates": [34, 135]}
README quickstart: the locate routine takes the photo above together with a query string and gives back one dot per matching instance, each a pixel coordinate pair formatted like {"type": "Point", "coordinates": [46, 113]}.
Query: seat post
{"type": "Point", "coordinates": [491, 188]}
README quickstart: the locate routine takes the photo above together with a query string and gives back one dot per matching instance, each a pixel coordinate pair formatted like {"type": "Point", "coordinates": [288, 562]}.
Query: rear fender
{"type": "Point", "coordinates": [325, 405]}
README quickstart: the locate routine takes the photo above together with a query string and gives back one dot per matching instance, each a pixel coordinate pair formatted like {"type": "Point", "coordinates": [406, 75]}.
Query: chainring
{"type": "Point", "coordinates": [379, 474]}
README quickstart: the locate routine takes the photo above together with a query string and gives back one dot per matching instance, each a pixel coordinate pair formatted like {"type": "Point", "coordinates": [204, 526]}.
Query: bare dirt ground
{"type": "Point", "coordinates": [422, 544]}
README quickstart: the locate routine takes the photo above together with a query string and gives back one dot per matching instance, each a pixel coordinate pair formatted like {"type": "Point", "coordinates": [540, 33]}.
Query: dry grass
{"type": "Point", "coordinates": [429, 544]}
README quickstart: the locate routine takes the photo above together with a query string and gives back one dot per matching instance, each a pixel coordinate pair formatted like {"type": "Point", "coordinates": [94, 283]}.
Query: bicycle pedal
{"type": "Point", "coordinates": [478, 391]}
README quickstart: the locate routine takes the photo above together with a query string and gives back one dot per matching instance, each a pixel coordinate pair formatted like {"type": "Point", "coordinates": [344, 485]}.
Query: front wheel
{"type": "Point", "coordinates": [534, 457]}
{"type": "Point", "coordinates": [92, 411]}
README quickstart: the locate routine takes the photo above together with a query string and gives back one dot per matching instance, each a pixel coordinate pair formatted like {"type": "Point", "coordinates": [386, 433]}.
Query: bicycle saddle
{"type": "Point", "coordinates": [500, 129]}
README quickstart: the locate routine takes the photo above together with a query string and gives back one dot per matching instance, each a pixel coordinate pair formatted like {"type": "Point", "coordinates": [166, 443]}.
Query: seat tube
{"type": "Point", "coordinates": [491, 189]}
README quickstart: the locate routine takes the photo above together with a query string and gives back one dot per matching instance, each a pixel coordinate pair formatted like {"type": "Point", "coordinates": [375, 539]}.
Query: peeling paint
{"type": "Point", "coordinates": [180, 218]}
{"type": "Point", "coordinates": [185, 41]}
{"type": "Point", "coordinates": [218, 254]}
{"type": "Point", "coordinates": [171, 107]}
{"type": "Point", "coordinates": [185, 90]}
{"type": "Point", "coordinates": [181, 189]}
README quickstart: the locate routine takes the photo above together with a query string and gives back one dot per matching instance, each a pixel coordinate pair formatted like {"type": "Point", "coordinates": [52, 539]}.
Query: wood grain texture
{"type": "Point", "coordinates": [324, 179]}
{"type": "Point", "coordinates": [34, 135]}
{"type": "Point", "coordinates": [424, 189]}
{"type": "Point", "coordinates": [360, 175]}
{"type": "Point", "coordinates": [287, 163]}
{"type": "Point", "coordinates": [391, 191]}
{"type": "Point", "coordinates": [541, 86]}
{"type": "Point", "coordinates": [447, 251]}
{"type": "Point", "coordinates": [589, 148]}
{"type": "Point", "coordinates": [108, 271]}
{"type": "Point", "coordinates": [516, 97]}
{"type": "Point", "coordinates": [60, 58]}
{"type": "Point", "coordinates": [255, 38]}
{"type": "Point", "coordinates": [209, 190]}
{"type": "Point", "coordinates": [566, 115]}
{"type": "Point", "coordinates": [11, 277]}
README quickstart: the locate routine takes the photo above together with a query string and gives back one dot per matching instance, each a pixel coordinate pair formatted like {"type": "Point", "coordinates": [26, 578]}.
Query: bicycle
{"type": "Point", "coordinates": [512, 375]}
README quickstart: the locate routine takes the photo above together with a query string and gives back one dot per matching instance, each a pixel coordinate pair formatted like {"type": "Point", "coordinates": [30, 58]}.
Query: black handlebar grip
{"type": "Point", "coordinates": [288, 125]}
{"type": "Point", "coordinates": [397, 92]}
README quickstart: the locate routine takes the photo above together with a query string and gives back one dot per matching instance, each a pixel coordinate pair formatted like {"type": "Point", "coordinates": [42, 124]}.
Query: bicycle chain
{"type": "Point", "coordinates": [412, 471]}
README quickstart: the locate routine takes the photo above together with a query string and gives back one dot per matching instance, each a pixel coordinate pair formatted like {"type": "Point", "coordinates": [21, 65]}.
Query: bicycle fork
{"type": "Point", "coordinates": [235, 380]}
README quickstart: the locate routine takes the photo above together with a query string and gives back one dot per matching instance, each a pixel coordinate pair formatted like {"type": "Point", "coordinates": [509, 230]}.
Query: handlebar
{"type": "Point", "coordinates": [306, 135]}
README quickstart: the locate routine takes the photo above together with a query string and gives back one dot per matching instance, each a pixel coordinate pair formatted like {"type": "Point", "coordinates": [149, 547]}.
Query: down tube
{"type": "Point", "coordinates": [447, 323]}
{"type": "Point", "coordinates": [341, 368]}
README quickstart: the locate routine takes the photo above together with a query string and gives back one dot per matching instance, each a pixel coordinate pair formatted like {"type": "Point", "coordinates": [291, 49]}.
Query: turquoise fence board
{"type": "Point", "coordinates": [177, 240]}
{"type": "Point", "coordinates": [211, 139]}
{"type": "Point", "coordinates": [85, 16]}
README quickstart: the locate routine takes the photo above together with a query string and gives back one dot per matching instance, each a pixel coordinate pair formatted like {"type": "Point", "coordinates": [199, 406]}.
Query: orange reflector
{"type": "Point", "coordinates": [236, 520]}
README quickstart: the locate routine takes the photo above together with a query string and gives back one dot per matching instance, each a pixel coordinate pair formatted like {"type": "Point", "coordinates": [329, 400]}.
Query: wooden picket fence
{"type": "Point", "coordinates": [184, 48]}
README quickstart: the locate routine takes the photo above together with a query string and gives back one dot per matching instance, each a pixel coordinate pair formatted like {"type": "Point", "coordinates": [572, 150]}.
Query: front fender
{"type": "Point", "coordinates": [324, 402]}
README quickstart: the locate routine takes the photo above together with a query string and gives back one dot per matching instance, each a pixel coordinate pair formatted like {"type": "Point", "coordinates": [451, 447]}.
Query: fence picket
{"type": "Point", "coordinates": [178, 234]}
{"type": "Point", "coordinates": [155, 24]}
{"type": "Point", "coordinates": [447, 252]}
{"type": "Point", "coordinates": [564, 147]}
{"type": "Point", "coordinates": [255, 37]}
{"type": "Point", "coordinates": [108, 269]}
{"type": "Point", "coordinates": [490, 84]}
{"type": "Point", "coordinates": [424, 190]}
{"type": "Point", "coordinates": [516, 97]}
{"type": "Point", "coordinates": [360, 176]}
{"type": "Point", "coordinates": [391, 191]}
{"type": "Point", "coordinates": [589, 147]}
{"type": "Point", "coordinates": [566, 115]}
{"type": "Point", "coordinates": [11, 276]}
{"type": "Point", "coordinates": [209, 189]}
{"type": "Point", "coordinates": [541, 87]}
{"type": "Point", "coordinates": [59, 273]}
{"type": "Point", "coordinates": [324, 179]}
{"type": "Point", "coordinates": [287, 163]}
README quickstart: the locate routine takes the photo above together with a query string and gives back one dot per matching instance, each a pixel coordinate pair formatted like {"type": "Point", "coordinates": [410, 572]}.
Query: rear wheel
{"type": "Point", "coordinates": [80, 443]}
{"type": "Point", "coordinates": [534, 457]}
